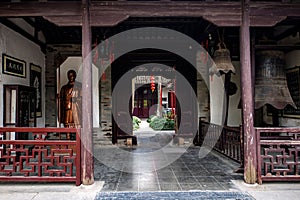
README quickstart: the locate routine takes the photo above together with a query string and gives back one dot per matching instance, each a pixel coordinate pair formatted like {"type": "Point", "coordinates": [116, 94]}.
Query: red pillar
{"type": "Point", "coordinates": [87, 163]}
{"type": "Point", "coordinates": [247, 85]}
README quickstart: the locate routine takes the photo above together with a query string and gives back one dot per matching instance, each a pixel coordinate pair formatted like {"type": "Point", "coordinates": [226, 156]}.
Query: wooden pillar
{"type": "Point", "coordinates": [87, 162]}
{"type": "Point", "coordinates": [247, 83]}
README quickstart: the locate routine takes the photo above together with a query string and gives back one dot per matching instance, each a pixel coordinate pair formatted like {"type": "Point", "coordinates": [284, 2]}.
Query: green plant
{"type": "Point", "coordinates": [169, 115]}
{"type": "Point", "coordinates": [169, 125]}
{"type": "Point", "coordinates": [157, 123]}
{"type": "Point", "coordinates": [136, 122]}
{"type": "Point", "coordinates": [150, 118]}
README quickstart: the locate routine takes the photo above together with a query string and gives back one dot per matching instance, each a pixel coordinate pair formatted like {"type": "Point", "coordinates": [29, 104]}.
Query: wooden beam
{"type": "Point", "coordinates": [25, 34]}
{"type": "Point", "coordinates": [96, 20]}
{"type": "Point", "coordinates": [33, 24]}
{"type": "Point", "coordinates": [22, 9]}
{"type": "Point", "coordinates": [274, 9]}
{"type": "Point", "coordinates": [288, 32]}
{"type": "Point", "coordinates": [217, 13]}
{"type": "Point", "coordinates": [87, 99]}
{"type": "Point", "coordinates": [265, 21]}
{"type": "Point", "coordinates": [247, 84]}
{"type": "Point", "coordinates": [285, 48]}
{"type": "Point", "coordinates": [113, 12]}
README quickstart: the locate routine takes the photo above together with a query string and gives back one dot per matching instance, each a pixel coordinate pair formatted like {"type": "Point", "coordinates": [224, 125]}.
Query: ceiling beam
{"type": "Point", "coordinates": [288, 32]}
{"type": "Point", "coordinates": [25, 34]}
{"type": "Point", "coordinates": [24, 9]}
{"type": "Point", "coordinates": [110, 13]}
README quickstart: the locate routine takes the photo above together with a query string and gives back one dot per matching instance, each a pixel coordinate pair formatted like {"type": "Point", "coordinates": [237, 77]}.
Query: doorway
{"type": "Point", "coordinates": [144, 101]}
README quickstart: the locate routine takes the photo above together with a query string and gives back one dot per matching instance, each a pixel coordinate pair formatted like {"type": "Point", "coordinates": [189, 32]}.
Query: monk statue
{"type": "Point", "coordinates": [70, 102]}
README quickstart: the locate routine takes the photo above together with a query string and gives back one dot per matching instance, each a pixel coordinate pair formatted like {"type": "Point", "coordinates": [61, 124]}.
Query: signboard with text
{"type": "Point", "coordinates": [13, 66]}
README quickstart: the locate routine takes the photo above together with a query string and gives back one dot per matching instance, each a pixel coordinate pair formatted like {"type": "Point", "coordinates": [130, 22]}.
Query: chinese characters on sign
{"type": "Point", "coordinates": [13, 66]}
{"type": "Point", "coordinates": [36, 82]}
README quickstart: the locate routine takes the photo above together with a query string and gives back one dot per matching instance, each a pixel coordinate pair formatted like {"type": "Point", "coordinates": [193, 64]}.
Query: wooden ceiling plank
{"type": "Point", "coordinates": [166, 8]}
{"type": "Point", "coordinates": [274, 9]}
{"type": "Point", "coordinates": [116, 11]}
{"type": "Point", "coordinates": [265, 21]}
{"type": "Point", "coordinates": [21, 9]}
{"type": "Point", "coordinates": [72, 20]}
{"type": "Point", "coordinates": [96, 20]}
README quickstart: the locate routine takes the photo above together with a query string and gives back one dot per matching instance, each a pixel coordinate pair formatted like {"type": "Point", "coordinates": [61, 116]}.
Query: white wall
{"type": "Point", "coordinates": [234, 113]}
{"type": "Point", "coordinates": [217, 99]}
{"type": "Point", "coordinates": [15, 45]}
{"type": "Point", "coordinates": [216, 91]}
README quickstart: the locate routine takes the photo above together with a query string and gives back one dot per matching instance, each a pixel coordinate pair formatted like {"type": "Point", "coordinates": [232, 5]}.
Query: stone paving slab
{"type": "Point", "coordinates": [193, 195]}
{"type": "Point", "coordinates": [188, 172]}
{"type": "Point", "coordinates": [49, 191]}
{"type": "Point", "coordinates": [270, 190]}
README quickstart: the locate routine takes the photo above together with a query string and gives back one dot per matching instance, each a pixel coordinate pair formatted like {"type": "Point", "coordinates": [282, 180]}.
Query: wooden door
{"type": "Point", "coordinates": [144, 100]}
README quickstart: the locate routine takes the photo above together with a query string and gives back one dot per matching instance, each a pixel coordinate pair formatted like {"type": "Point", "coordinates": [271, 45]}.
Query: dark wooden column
{"type": "Point", "coordinates": [87, 162]}
{"type": "Point", "coordinates": [250, 166]}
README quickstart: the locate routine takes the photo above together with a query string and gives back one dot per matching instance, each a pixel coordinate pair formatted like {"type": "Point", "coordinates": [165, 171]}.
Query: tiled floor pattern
{"type": "Point", "coordinates": [173, 195]}
{"type": "Point", "coordinates": [138, 169]}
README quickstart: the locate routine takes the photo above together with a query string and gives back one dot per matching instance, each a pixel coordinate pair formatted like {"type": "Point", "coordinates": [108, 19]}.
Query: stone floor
{"type": "Point", "coordinates": [212, 195]}
{"type": "Point", "coordinates": [170, 172]}
{"type": "Point", "coordinates": [157, 167]}
{"type": "Point", "coordinates": [157, 164]}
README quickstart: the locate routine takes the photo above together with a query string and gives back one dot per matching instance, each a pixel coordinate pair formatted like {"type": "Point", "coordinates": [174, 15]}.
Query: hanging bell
{"type": "Point", "coordinates": [222, 61]}
{"type": "Point", "coordinates": [270, 80]}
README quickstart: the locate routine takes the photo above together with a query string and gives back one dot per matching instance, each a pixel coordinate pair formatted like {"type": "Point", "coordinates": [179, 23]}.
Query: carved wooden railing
{"type": "Point", "coordinates": [224, 139]}
{"type": "Point", "coordinates": [40, 159]}
{"type": "Point", "coordinates": [278, 154]}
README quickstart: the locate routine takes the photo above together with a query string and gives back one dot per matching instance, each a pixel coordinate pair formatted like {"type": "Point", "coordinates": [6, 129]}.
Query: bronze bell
{"type": "Point", "coordinates": [222, 61]}
{"type": "Point", "coordinates": [270, 80]}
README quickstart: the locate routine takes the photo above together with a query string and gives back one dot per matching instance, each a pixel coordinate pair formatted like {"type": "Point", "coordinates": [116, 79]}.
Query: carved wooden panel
{"type": "Point", "coordinates": [278, 154]}
{"type": "Point", "coordinates": [40, 159]}
{"type": "Point", "coordinates": [280, 160]}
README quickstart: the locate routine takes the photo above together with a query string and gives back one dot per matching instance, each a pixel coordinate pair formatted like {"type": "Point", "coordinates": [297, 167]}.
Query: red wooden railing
{"type": "Point", "coordinates": [41, 159]}
{"type": "Point", "coordinates": [224, 139]}
{"type": "Point", "coordinates": [278, 154]}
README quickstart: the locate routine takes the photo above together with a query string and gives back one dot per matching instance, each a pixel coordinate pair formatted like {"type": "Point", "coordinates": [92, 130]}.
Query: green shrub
{"type": "Point", "coordinates": [150, 118]}
{"type": "Point", "coordinates": [157, 123]}
{"type": "Point", "coordinates": [136, 122]}
{"type": "Point", "coordinates": [169, 125]}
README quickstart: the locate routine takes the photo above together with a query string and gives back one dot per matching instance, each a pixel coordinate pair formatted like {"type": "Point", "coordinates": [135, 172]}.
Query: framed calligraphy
{"type": "Point", "coordinates": [13, 66]}
{"type": "Point", "coordinates": [36, 82]}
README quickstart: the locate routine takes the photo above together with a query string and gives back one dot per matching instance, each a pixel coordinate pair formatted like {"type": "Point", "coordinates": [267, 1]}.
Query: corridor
{"type": "Point", "coordinates": [189, 172]}
{"type": "Point", "coordinates": [156, 164]}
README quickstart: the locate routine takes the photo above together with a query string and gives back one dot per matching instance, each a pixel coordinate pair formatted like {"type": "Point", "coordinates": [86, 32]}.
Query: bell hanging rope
{"type": "Point", "coordinates": [222, 61]}
{"type": "Point", "coordinates": [270, 80]}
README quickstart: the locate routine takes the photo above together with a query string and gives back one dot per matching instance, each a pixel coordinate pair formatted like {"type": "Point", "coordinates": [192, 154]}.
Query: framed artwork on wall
{"type": "Point", "coordinates": [36, 82]}
{"type": "Point", "coordinates": [13, 66]}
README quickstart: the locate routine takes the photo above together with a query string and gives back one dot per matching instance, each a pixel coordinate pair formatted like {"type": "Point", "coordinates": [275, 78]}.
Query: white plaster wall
{"type": "Point", "coordinates": [24, 25]}
{"type": "Point", "coordinates": [217, 99]}
{"type": "Point", "coordinates": [15, 45]}
{"type": "Point", "coordinates": [75, 63]}
{"type": "Point", "coordinates": [165, 93]}
{"type": "Point", "coordinates": [234, 113]}
{"type": "Point", "coordinates": [217, 93]}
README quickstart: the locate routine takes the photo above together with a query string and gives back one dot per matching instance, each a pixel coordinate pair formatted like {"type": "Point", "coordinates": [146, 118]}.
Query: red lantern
{"type": "Point", "coordinates": [152, 83]}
